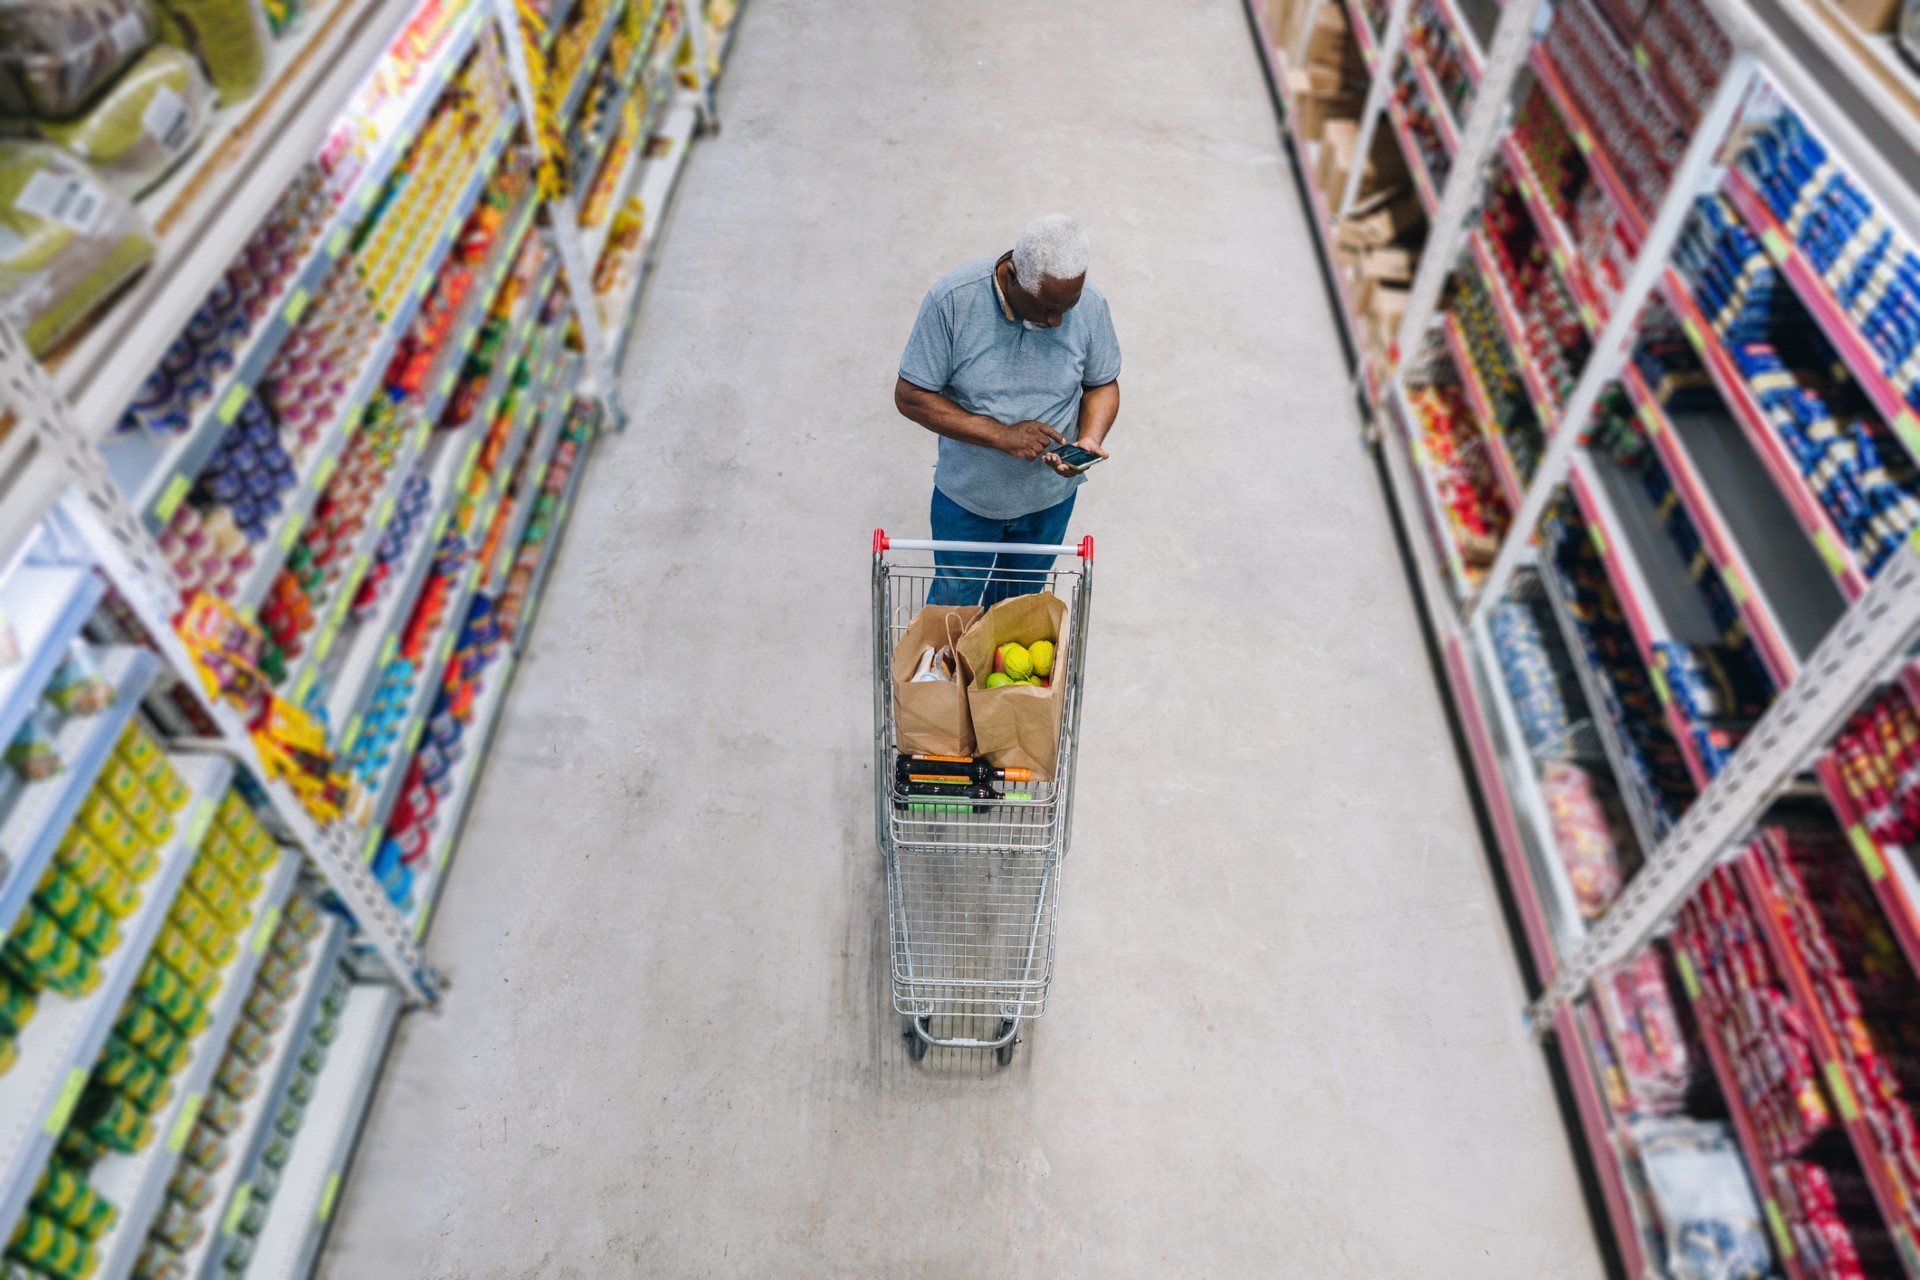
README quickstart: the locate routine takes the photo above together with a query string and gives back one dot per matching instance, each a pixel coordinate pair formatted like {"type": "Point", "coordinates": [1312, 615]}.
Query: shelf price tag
{"type": "Point", "coordinates": [202, 819]}
{"type": "Point", "coordinates": [290, 532]}
{"type": "Point", "coordinates": [413, 739]}
{"type": "Point", "coordinates": [1830, 552]}
{"type": "Point", "coordinates": [1776, 244]}
{"type": "Point", "coordinates": [242, 1197]}
{"type": "Point", "coordinates": [296, 305]}
{"type": "Point", "coordinates": [269, 921]}
{"type": "Point", "coordinates": [1691, 328]}
{"type": "Point", "coordinates": [1842, 1092]}
{"type": "Point", "coordinates": [1907, 424]}
{"type": "Point", "coordinates": [1599, 539]}
{"type": "Point", "coordinates": [230, 405]}
{"type": "Point", "coordinates": [170, 497]}
{"type": "Point", "coordinates": [305, 682]}
{"type": "Point", "coordinates": [446, 382]}
{"type": "Point", "coordinates": [183, 1123]}
{"type": "Point", "coordinates": [1640, 55]}
{"type": "Point", "coordinates": [351, 736]}
{"type": "Point", "coordinates": [321, 648]}
{"type": "Point", "coordinates": [1736, 584]}
{"type": "Point", "coordinates": [1782, 1239]}
{"type": "Point", "coordinates": [1583, 140]}
{"type": "Point", "coordinates": [420, 925]}
{"type": "Point", "coordinates": [1868, 851]}
{"type": "Point", "coordinates": [324, 472]}
{"type": "Point", "coordinates": [328, 1196]}
{"type": "Point", "coordinates": [62, 1109]}
{"type": "Point", "coordinates": [1688, 978]}
{"type": "Point", "coordinates": [387, 648]}
{"type": "Point", "coordinates": [337, 243]}
{"type": "Point", "coordinates": [1660, 689]}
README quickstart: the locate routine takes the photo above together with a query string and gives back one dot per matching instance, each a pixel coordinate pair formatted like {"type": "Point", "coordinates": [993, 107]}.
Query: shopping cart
{"type": "Point", "coordinates": [973, 888]}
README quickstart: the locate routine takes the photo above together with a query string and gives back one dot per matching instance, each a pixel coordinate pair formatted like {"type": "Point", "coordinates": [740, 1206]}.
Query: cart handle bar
{"type": "Point", "coordinates": [882, 543]}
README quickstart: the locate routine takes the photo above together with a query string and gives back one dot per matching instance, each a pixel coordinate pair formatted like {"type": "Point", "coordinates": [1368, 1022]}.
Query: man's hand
{"type": "Point", "coordinates": [1028, 440]}
{"type": "Point", "coordinates": [1087, 443]}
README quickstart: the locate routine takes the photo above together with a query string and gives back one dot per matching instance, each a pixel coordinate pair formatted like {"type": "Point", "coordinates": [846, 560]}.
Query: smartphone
{"type": "Point", "coordinates": [1074, 456]}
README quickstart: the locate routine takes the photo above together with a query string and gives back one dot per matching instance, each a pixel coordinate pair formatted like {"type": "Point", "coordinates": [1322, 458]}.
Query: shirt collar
{"type": "Point", "coordinates": [998, 293]}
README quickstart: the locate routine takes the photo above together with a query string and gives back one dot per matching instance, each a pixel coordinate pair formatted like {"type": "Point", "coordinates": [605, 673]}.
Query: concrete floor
{"type": "Point", "coordinates": [1284, 1037]}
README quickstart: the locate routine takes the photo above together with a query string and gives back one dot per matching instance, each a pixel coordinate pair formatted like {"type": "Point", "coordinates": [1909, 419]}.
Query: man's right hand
{"type": "Point", "coordinates": [1029, 439]}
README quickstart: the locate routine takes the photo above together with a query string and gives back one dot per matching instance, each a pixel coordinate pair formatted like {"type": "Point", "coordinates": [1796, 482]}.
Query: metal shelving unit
{"type": "Point", "coordinates": [1772, 556]}
{"type": "Point", "coordinates": [360, 79]}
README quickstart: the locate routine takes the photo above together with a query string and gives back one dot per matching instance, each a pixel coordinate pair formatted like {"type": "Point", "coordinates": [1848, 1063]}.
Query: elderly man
{"type": "Point", "coordinates": [1009, 359]}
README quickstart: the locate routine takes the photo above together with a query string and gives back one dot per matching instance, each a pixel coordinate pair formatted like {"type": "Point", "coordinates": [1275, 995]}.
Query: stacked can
{"type": "Point", "coordinates": [185, 1217]}
{"type": "Point", "coordinates": [176, 393]}
{"type": "Point", "coordinates": [1536, 675]}
{"type": "Point", "coordinates": [1833, 1221]}
{"type": "Point", "coordinates": [553, 486]}
{"type": "Point", "coordinates": [1550, 330]}
{"type": "Point", "coordinates": [1879, 757]}
{"type": "Point", "coordinates": [1745, 1007]}
{"type": "Point", "coordinates": [409, 514]}
{"type": "Point", "coordinates": [1418, 113]}
{"type": "Point", "coordinates": [1638, 129]}
{"type": "Point", "coordinates": [1869, 265]}
{"type": "Point", "coordinates": [1656, 771]}
{"type": "Point", "coordinates": [1863, 988]}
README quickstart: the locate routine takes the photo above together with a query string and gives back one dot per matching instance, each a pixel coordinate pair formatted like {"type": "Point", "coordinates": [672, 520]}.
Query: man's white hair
{"type": "Point", "coordinates": [1053, 247]}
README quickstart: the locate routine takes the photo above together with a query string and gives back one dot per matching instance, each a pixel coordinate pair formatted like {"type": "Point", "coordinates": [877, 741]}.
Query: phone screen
{"type": "Point", "coordinates": [1074, 456]}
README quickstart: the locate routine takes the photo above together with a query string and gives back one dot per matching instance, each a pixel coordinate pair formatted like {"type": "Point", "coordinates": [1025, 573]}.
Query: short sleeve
{"type": "Point", "coordinates": [1103, 349]}
{"type": "Point", "coordinates": [928, 360]}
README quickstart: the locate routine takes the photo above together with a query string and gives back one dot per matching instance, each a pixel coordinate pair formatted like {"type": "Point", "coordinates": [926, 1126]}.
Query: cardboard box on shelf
{"type": "Point", "coordinates": [1381, 218]}
{"type": "Point", "coordinates": [1870, 15]}
{"type": "Point", "coordinates": [1311, 113]}
{"type": "Point", "coordinates": [1386, 307]}
{"type": "Point", "coordinates": [1386, 262]}
{"type": "Point", "coordinates": [1339, 139]}
{"type": "Point", "coordinates": [1330, 42]}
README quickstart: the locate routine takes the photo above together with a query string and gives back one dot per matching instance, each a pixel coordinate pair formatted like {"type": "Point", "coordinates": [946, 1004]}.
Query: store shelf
{"type": "Point", "coordinates": [583, 75]}
{"type": "Point", "coordinates": [1632, 222]}
{"type": "Point", "coordinates": [1545, 404]}
{"type": "Point", "coordinates": [1889, 868]}
{"type": "Point", "coordinates": [643, 56]}
{"type": "Point", "coordinates": [221, 193]}
{"type": "Point", "coordinates": [1363, 36]}
{"type": "Point", "coordinates": [138, 1183]}
{"type": "Point", "coordinates": [659, 180]}
{"type": "Point", "coordinates": [59, 1045]}
{"type": "Point", "coordinates": [1568, 261]}
{"type": "Point", "coordinates": [550, 552]}
{"type": "Point", "coordinates": [371, 644]}
{"type": "Point", "coordinates": [289, 1244]}
{"type": "Point", "coordinates": [1511, 484]}
{"type": "Point", "coordinates": [1438, 526]}
{"type": "Point", "coordinates": [1411, 153]}
{"type": "Point", "coordinates": [1818, 298]}
{"type": "Point", "coordinates": [541, 451]}
{"type": "Point", "coordinates": [233, 1181]}
{"type": "Point", "coordinates": [1437, 103]}
{"type": "Point", "coordinates": [1651, 583]}
{"type": "Point", "coordinates": [451, 814]}
{"type": "Point", "coordinates": [1471, 56]}
{"type": "Point", "coordinates": [317, 469]}
{"type": "Point", "coordinates": [1778, 643]}
{"type": "Point", "coordinates": [1528, 899]}
{"type": "Point", "coordinates": [1779, 930]}
{"type": "Point", "coordinates": [1806, 509]}
{"type": "Point", "coordinates": [1615, 1192]}
{"type": "Point", "coordinates": [42, 811]}
{"type": "Point", "coordinates": [1709, 1014]}
{"type": "Point", "coordinates": [46, 605]}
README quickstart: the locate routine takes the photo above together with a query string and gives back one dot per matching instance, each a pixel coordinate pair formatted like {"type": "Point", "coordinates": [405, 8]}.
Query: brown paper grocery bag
{"type": "Point", "coordinates": [932, 717]}
{"type": "Point", "coordinates": [1018, 725]}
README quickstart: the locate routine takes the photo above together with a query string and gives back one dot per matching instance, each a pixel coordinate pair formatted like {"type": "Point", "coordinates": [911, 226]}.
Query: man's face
{"type": "Point", "coordinates": [1047, 306]}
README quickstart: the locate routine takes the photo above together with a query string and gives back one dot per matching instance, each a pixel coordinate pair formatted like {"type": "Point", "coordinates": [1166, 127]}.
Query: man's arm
{"type": "Point", "coordinates": [945, 418]}
{"type": "Point", "coordinates": [1099, 406]}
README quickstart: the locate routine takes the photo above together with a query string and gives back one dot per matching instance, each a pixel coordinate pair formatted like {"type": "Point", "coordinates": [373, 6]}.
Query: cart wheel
{"type": "Point", "coordinates": [1004, 1054]}
{"type": "Point", "coordinates": [916, 1047]}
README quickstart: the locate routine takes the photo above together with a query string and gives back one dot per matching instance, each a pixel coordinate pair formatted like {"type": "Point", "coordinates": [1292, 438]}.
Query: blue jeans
{"type": "Point", "coordinates": [959, 576]}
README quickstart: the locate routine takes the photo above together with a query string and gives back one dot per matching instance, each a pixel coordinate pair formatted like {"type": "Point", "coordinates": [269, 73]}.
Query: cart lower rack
{"type": "Point", "coordinates": [973, 885]}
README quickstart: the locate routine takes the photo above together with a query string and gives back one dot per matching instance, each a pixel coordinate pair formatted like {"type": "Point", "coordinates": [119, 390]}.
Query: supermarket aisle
{"type": "Point", "coordinates": [1284, 1037]}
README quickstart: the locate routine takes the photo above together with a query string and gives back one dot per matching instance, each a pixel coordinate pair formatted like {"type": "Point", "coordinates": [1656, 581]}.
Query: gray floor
{"type": "Point", "coordinates": [1284, 1037]}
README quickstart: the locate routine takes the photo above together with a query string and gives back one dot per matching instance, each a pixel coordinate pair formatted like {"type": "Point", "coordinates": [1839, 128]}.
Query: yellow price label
{"type": "Point", "coordinates": [170, 497]}
{"type": "Point", "coordinates": [63, 1103]}
{"type": "Point", "coordinates": [351, 736]}
{"type": "Point", "coordinates": [290, 532]}
{"type": "Point", "coordinates": [237, 1209]}
{"type": "Point", "coordinates": [1689, 327]}
{"type": "Point", "coordinates": [1868, 851]}
{"type": "Point", "coordinates": [1782, 1238]}
{"type": "Point", "coordinates": [1830, 552]}
{"type": "Point", "coordinates": [1583, 140]}
{"type": "Point", "coordinates": [183, 1123]}
{"type": "Point", "coordinates": [1908, 425]}
{"type": "Point", "coordinates": [337, 242]}
{"type": "Point", "coordinates": [263, 934]}
{"type": "Point", "coordinates": [324, 472]}
{"type": "Point", "coordinates": [1842, 1092]}
{"type": "Point", "coordinates": [323, 646]}
{"type": "Point", "coordinates": [1776, 244]}
{"type": "Point", "coordinates": [1688, 978]}
{"type": "Point", "coordinates": [202, 819]}
{"type": "Point", "coordinates": [420, 925]}
{"type": "Point", "coordinates": [296, 305]}
{"type": "Point", "coordinates": [1660, 689]}
{"type": "Point", "coordinates": [235, 397]}
{"type": "Point", "coordinates": [413, 739]}
{"type": "Point", "coordinates": [1599, 539]}
{"type": "Point", "coordinates": [328, 1196]}
{"type": "Point", "coordinates": [1650, 419]}
{"type": "Point", "coordinates": [305, 682]}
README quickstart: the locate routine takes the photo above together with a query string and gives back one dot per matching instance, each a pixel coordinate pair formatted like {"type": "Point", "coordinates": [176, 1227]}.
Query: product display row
{"type": "Point", "coordinates": [1651, 413]}
{"type": "Point", "coordinates": [311, 319]}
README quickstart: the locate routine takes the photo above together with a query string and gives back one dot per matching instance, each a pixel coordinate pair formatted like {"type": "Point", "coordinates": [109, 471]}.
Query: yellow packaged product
{"type": "Point", "coordinates": [138, 748]}
{"type": "Point", "coordinates": [120, 781]}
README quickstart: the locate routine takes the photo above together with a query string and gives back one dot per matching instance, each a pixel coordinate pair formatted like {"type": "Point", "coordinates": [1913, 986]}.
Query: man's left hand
{"type": "Point", "coordinates": [1053, 459]}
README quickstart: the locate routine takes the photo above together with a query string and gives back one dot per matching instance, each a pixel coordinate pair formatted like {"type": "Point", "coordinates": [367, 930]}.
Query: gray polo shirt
{"type": "Point", "coordinates": [964, 347]}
